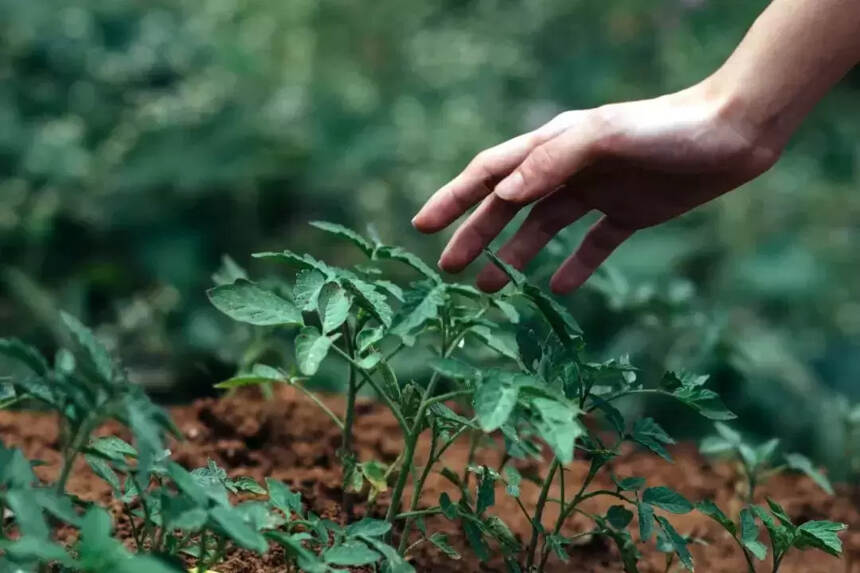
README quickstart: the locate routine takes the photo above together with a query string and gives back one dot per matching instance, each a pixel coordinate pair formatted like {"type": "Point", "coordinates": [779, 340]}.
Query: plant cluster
{"type": "Point", "coordinates": [174, 515]}
{"type": "Point", "coordinates": [509, 368]}
{"type": "Point", "coordinates": [512, 364]}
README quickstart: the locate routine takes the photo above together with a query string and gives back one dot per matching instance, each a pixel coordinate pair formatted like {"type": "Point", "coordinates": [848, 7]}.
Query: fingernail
{"type": "Point", "coordinates": [413, 220]}
{"type": "Point", "coordinates": [510, 187]}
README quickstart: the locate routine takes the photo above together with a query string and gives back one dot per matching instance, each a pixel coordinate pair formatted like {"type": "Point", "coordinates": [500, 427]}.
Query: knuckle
{"type": "Point", "coordinates": [540, 165]}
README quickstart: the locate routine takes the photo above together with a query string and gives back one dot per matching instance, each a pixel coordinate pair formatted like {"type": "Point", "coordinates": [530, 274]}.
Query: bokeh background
{"type": "Point", "coordinates": [142, 140]}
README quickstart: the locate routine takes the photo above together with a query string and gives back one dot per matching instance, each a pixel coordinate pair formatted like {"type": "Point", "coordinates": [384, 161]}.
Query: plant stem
{"type": "Point", "coordinates": [419, 485]}
{"type": "Point", "coordinates": [536, 519]}
{"type": "Point", "coordinates": [71, 454]}
{"type": "Point", "coordinates": [419, 513]}
{"type": "Point", "coordinates": [474, 437]}
{"type": "Point", "coordinates": [315, 399]}
{"type": "Point", "coordinates": [346, 440]}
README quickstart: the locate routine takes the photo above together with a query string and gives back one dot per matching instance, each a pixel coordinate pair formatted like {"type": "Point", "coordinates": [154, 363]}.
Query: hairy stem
{"type": "Point", "coordinates": [70, 454]}
{"type": "Point", "coordinates": [536, 519]}
{"type": "Point", "coordinates": [419, 485]}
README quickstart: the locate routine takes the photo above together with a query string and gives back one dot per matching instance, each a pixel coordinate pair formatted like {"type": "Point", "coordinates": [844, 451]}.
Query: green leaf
{"type": "Point", "coordinates": [24, 354]}
{"type": "Point", "coordinates": [394, 562]}
{"type": "Point", "coordinates": [781, 536]}
{"type": "Point", "coordinates": [250, 485]}
{"type": "Point", "coordinates": [513, 479]}
{"type": "Point", "coordinates": [181, 512]}
{"type": "Point", "coordinates": [229, 272]}
{"type": "Point", "coordinates": [499, 531]}
{"type": "Point", "coordinates": [351, 554]}
{"type": "Point", "coordinates": [476, 540]}
{"type": "Point", "coordinates": [503, 342]}
{"type": "Point", "coordinates": [509, 310]}
{"type": "Point", "coordinates": [517, 278]}
{"type": "Point", "coordinates": [612, 414]}
{"type": "Point", "coordinates": [780, 513]}
{"type": "Point", "coordinates": [370, 299]}
{"type": "Point", "coordinates": [749, 535]}
{"type": "Point", "coordinates": [667, 499]}
{"type": "Point", "coordinates": [454, 369]}
{"type": "Point", "coordinates": [305, 262]}
{"type": "Point", "coordinates": [15, 469]}
{"type": "Point", "coordinates": [333, 307]}
{"type": "Point", "coordinates": [345, 233]}
{"type": "Point", "coordinates": [247, 302]}
{"type": "Point", "coordinates": [679, 544]}
{"type": "Point", "coordinates": [486, 497]}
{"type": "Point", "coordinates": [28, 514]}
{"type": "Point", "coordinates": [688, 388]}
{"type": "Point", "coordinates": [619, 516]}
{"type": "Point", "coordinates": [187, 484]}
{"type": "Point", "coordinates": [29, 548]}
{"type": "Point", "coordinates": [281, 497]}
{"type": "Point", "coordinates": [710, 509]}
{"type": "Point", "coordinates": [369, 527]}
{"type": "Point", "coordinates": [374, 473]}
{"type": "Point", "coordinates": [646, 521]}
{"type": "Point", "coordinates": [558, 317]}
{"type": "Point", "coordinates": [822, 535]}
{"type": "Point", "coordinates": [112, 448]}
{"type": "Point", "coordinates": [306, 291]}
{"type": "Point", "coordinates": [630, 483]}
{"type": "Point", "coordinates": [307, 561]}
{"type": "Point", "coordinates": [803, 464]}
{"type": "Point", "coordinates": [311, 349]}
{"type": "Point", "coordinates": [390, 288]}
{"type": "Point", "coordinates": [440, 540]}
{"type": "Point", "coordinates": [404, 256]}
{"type": "Point", "coordinates": [449, 510]}
{"type": "Point", "coordinates": [557, 425]}
{"type": "Point", "coordinates": [367, 337]}
{"type": "Point", "coordinates": [420, 308]}
{"type": "Point", "coordinates": [97, 356]}
{"type": "Point", "coordinates": [103, 469]}
{"type": "Point", "coordinates": [242, 534]}
{"type": "Point", "coordinates": [494, 401]}
{"type": "Point", "coordinates": [648, 433]}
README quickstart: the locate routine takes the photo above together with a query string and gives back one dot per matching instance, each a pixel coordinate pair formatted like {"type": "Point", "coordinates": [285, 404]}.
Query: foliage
{"type": "Point", "coordinates": [488, 375]}
{"type": "Point", "coordinates": [173, 513]}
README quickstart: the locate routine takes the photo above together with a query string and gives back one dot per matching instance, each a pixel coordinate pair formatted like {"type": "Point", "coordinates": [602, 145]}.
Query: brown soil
{"type": "Point", "coordinates": [288, 438]}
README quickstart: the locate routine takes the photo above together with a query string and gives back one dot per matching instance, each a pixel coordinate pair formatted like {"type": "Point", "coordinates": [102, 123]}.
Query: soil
{"type": "Point", "coordinates": [287, 438]}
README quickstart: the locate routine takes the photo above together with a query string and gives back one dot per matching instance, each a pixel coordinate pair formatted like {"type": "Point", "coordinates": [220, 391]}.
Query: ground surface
{"type": "Point", "coordinates": [289, 439]}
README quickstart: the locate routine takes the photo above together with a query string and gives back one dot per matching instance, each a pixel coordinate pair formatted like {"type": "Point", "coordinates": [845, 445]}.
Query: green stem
{"type": "Point", "coordinates": [395, 409]}
{"type": "Point", "coordinates": [536, 520]}
{"type": "Point", "coordinates": [134, 531]}
{"type": "Point", "coordinates": [70, 454]}
{"type": "Point", "coordinates": [316, 400]}
{"type": "Point", "coordinates": [349, 420]}
{"type": "Point", "coordinates": [474, 438]}
{"type": "Point", "coordinates": [419, 513]}
{"type": "Point", "coordinates": [777, 561]}
{"type": "Point", "coordinates": [419, 485]}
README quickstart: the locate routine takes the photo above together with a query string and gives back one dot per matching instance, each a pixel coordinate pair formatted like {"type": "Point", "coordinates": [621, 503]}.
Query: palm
{"type": "Point", "coordinates": [639, 163]}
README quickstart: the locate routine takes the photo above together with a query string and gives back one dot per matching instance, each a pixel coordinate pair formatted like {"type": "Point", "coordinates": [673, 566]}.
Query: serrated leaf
{"type": "Point", "coordinates": [242, 534]}
{"type": "Point", "coordinates": [557, 425]}
{"type": "Point", "coordinates": [667, 499]}
{"type": "Point", "coordinates": [648, 433]}
{"type": "Point", "coordinates": [710, 509]}
{"type": "Point", "coordinates": [749, 535]}
{"type": "Point", "coordinates": [249, 484]}
{"type": "Point", "coordinates": [476, 541]}
{"type": "Point", "coordinates": [112, 448]}
{"type": "Point", "coordinates": [281, 497]}
{"type": "Point", "coordinates": [350, 554]}
{"type": "Point", "coordinates": [509, 310]}
{"type": "Point", "coordinates": [513, 480]}
{"type": "Point", "coordinates": [306, 291]}
{"type": "Point", "coordinates": [688, 388]}
{"type": "Point", "coordinates": [97, 355]}
{"type": "Point", "coordinates": [494, 401]}
{"type": "Point", "coordinates": [304, 262]}
{"type": "Point", "coordinates": [24, 354]}
{"type": "Point", "coordinates": [558, 317]}
{"type": "Point", "coordinates": [515, 276]}
{"type": "Point", "coordinates": [311, 349]}
{"type": "Point", "coordinates": [679, 544]}
{"type": "Point", "coordinates": [367, 337]}
{"type": "Point", "coordinates": [630, 483]}
{"type": "Point", "coordinates": [345, 233]}
{"type": "Point", "coordinates": [333, 307]}
{"type": "Point", "coordinates": [390, 288]}
{"type": "Point", "coordinates": [619, 516]}
{"type": "Point", "coordinates": [646, 521]}
{"type": "Point", "coordinates": [503, 342]}
{"type": "Point", "coordinates": [803, 464]}
{"type": "Point", "coordinates": [410, 259]}
{"type": "Point", "coordinates": [369, 299]}
{"type": "Point", "coordinates": [454, 369]}
{"type": "Point", "coordinates": [420, 308]}
{"type": "Point", "coordinates": [247, 302]}
{"type": "Point", "coordinates": [822, 535]}
{"type": "Point", "coordinates": [102, 469]}
{"type": "Point", "coordinates": [449, 510]}
{"type": "Point", "coordinates": [369, 527]}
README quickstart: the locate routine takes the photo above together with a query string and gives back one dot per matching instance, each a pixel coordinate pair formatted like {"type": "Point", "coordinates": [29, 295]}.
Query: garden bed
{"type": "Point", "coordinates": [288, 439]}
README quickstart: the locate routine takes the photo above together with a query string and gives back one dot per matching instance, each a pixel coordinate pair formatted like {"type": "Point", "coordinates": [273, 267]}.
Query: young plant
{"type": "Point", "coordinates": [512, 364]}
{"type": "Point", "coordinates": [757, 464]}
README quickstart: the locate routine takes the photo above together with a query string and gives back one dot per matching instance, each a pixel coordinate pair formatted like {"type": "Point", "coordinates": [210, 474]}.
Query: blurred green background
{"type": "Point", "coordinates": [142, 140]}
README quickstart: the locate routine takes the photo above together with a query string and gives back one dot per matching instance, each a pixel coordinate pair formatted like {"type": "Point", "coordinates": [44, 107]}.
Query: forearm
{"type": "Point", "coordinates": [792, 55]}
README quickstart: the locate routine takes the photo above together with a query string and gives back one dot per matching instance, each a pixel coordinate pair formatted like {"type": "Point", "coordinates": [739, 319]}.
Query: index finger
{"type": "Point", "coordinates": [475, 182]}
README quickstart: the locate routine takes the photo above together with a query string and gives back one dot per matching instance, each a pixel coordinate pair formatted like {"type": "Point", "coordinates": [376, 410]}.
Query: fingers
{"type": "Point", "coordinates": [545, 220]}
{"type": "Point", "coordinates": [477, 232]}
{"type": "Point", "coordinates": [551, 164]}
{"type": "Point", "coordinates": [474, 183]}
{"type": "Point", "coordinates": [603, 238]}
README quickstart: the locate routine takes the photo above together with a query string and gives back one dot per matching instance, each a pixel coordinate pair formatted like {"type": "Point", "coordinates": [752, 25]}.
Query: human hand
{"type": "Point", "coordinates": [639, 163]}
